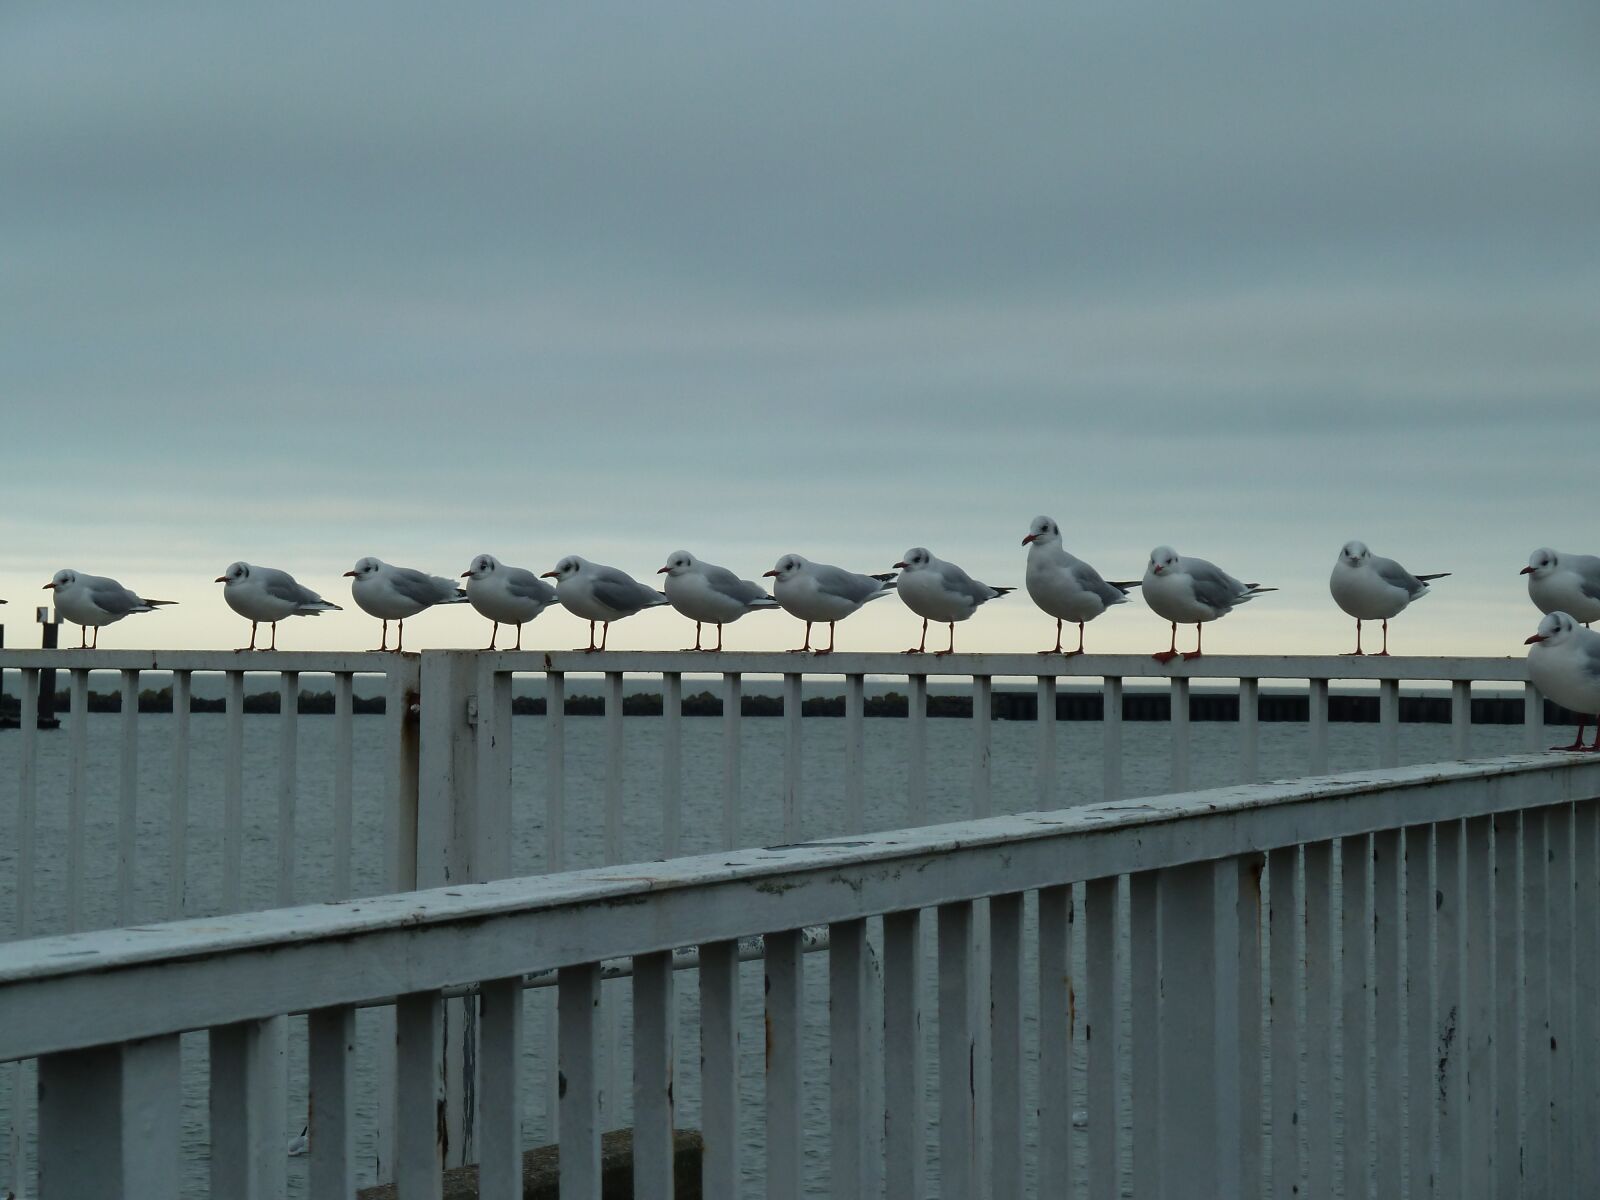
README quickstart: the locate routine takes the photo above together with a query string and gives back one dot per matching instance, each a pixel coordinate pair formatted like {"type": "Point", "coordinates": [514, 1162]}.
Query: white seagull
{"type": "Point", "coordinates": [1568, 583]}
{"type": "Point", "coordinates": [263, 594]}
{"type": "Point", "coordinates": [1065, 587]}
{"type": "Point", "coordinates": [1564, 664]}
{"type": "Point", "coordinates": [1372, 588]}
{"type": "Point", "coordinates": [395, 593]}
{"type": "Point", "coordinates": [95, 600]}
{"type": "Point", "coordinates": [940, 591]}
{"type": "Point", "coordinates": [705, 592]}
{"type": "Point", "coordinates": [506, 595]}
{"type": "Point", "coordinates": [1193, 591]}
{"type": "Point", "coordinates": [818, 592]}
{"type": "Point", "coordinates": [600, 593]}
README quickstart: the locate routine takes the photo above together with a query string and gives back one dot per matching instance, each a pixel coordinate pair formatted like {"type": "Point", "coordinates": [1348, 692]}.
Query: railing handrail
{"type": "Point", "coordinates": [693, 662]}
{"type": "Point", "coordinates": [120, 985]}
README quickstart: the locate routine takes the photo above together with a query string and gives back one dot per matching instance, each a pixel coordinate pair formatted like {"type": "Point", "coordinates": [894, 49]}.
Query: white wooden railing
{"type": "Point", "coordinates": [1382, 984]}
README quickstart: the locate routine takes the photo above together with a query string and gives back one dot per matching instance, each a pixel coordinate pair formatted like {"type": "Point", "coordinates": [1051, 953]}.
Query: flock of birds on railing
{"type": "Point", "coordinates": [1565, 661]}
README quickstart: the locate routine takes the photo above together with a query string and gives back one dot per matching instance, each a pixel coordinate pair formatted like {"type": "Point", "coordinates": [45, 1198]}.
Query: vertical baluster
{"type": "Point", "coordinates": [1565, 1136]}
{"type": "Point", "coordinates": [1005, 1008]}
{"type": "Point", "coordinates": [1460, 718]}
{"type": "Point", "coordinates": [77, 787]}
{"type": "Point", "coordinates": [288, 782]}
{"type": "Point", "coordinates": [1317, 715]}
{"type": "Point", "coordinates": [247, 1110]}
{"type": "Point", "coordinates": [1389, 999]}
{"type": "Point", "coordinates": [1249, 730]}
{"type": "Point", "coordinates": [982, 708]}
{"type": "Point", "coordinates": [402, 684]}
{"type": "Point", "coordinates": [613, 826]}
{"type": "Point", "coordinates": [847, 1058]}
{"type": "Point", "coordinates": [855, 791]}
{"type": "Point", "coordinates": [233, 795]}
{"type": "Point", "coordinates": [579, 1001]}
{"type": "Point", "coordinates": [330, 1056]}
{"type": "Point", "coordinates": [27, 803]}
{"type": "Point", "coordinates": [1247, 932]}
{"type": "Point", "coordinates": [1055, 1041]}
{"type": "Point", "coordinates": [1478, 995]}
{"type": "Point", "coordinates": [1533, 717]}
{"type": "Point", "coordinates": [904, 1147]}
{"type": "Point", "coordinates": [1144, 977]}
{"type": "Point", "coordinates": [719, 1066]}
{"type": "Point", "coordinates": [1111, 737]}
{"type": "Point", "coordinates": [555, 791]}
{"type": "Point", "coordinates": [791, 757]}
{"type": "Point", "coordinates": [178, 828]}
{"type": "Point", "coordinates": [1421, 1012]}
{"type": "Point", "coordinates": [917, 750]}
{"type": "Point", "coordinates": [785, 1122]}
{"type": "Point", "coordinates": [1100, 1036]}
{"type": "Point", "coordinates": [1323, 1045]}
{"type": "Point", "coordinates": [1388, 722]}
{"type": "Point", "coordinates": [1285, 892]}
{"type": "Point", "coordinates": [493, 830]}
{"type": "Point", "coordinates": [500, 1030]}
{"type": "Point", "coordinates": [1360, 1086]}
{"type": "Point", "coordinates": [1179, 725]}
{"type": "Point", "coordinates": [1585, 1035]}
{"type": "Point", "coordinates": [654, 1021]}
{"type": "Point", "coordinates": [420, 1095]}
{"type": "Point", "coordinates": [343, 783]}
{"type": "Point", "coordinates": [1046, 777]}
{"type": "Point", "coordinates": [671, 763]}
{"type": "Point", "coordinates": [1536, 947]}
{"type": "Point", "coordinates": [1190, 1126]}
{"type": "Point", "coordinates": [957, 1117]}
{"type": "Point", "coordinates": [109, 1120]}
{"type": "Point", "coordinates": [732, 714]}
{"type": "Point", "coordinates": [1507, 971]}
{"type": "Point", "coordinates": [128, 800]}
{"type": "Point", "coordinates": [1449, 1042]}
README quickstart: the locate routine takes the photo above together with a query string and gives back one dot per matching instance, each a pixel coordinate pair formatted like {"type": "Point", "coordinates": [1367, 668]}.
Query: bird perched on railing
{"type": "Point", "coordinates": [1065, 587]}
{"type": "Point", "coordinates": [597, 592]}
{"type": "Point", "coordinates": [1193, 591]}
{"type": "Point", "coordinates": [1564, 665]}
{"type": "Point", "coordinates": [1568, 583]}
{"type": "Point", "coordinates": [940, 591]}
{"type": "Point", "coordinates": [264, 594]}
{"type": "Point", "coordinates": [818, 592]}
{"type": "Point", "coordinates": [506, 595]}
{"type": "Point", "coordinates": [394, 593]}
{"type": "Point", "coordinates": [1372, 588]}
{"type": "Point", "coordinates": [94, 600]}
{"type": "Point", "coordinates": [705, 592]}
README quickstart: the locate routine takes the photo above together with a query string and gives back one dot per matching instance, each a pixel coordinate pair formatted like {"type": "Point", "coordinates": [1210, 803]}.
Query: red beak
{"type": "Point", "coordinates": [901, 567]}
{"type": "Point", "coordinates": [1525, 571]}
{"type": "Point", "coordinates": [220, 579]}
{"type": "Point", "coordinates": [550, 575]}
{"type": "Point", "coordinates": [47, 587]}
{"type": "Point", "coordinates": [663, 570]}
{"type": "Point", "coordinates": [466, 574]}
{"type": "Point", "coordinates": [769, 574]}
{"type": "Point", "coordinates": [1029, 538]}
{"type": "Point", "coordinates": [351, 574]}
{"type": "Point", "coordinates": [1538, 637]}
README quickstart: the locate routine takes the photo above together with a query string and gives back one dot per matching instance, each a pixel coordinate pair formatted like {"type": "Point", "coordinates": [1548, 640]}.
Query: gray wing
{"type": "Point", "coordinates": [423, 589]}
{"type": "Point", "coordinates": [112, 597]}
{"type": "Point", "coordinates": [283, 586]}
{"type": "Point", "coordinates": [847, 585]}
{"type": "Point", "coordinates": [959, 582]}
{"type": "Point", "coordinates": [1089, 580]}
{"type": "Point", "coordinates": [1590, 646]}
{"type": "Point", "coordinates": [1395, 575]}
{"type": "Point", "coordinates": [1213, 585]}
{"type": "Point", "coordinates": [623, 592]}
{"type": "Point", "coordinates": [1587, 567]}
{"type": "Point", "coordinates": [730, 585]}
{"type": "Point", "coordinates": [525, 585]}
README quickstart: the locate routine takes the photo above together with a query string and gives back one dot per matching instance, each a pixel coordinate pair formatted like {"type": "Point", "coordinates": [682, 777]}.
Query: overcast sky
{"type": "Point", "coordinates": [297, 283]}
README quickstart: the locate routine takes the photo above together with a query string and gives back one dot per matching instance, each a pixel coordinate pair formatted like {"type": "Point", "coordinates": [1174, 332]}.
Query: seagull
{"type": "Point", "coordinates": [508, 595]}
{"type": "Point", "coordinates": [1564, 664]}
{"type": "Point", "coordinates": [1372, 588]}
{"type": "Point", "coordinates": [1193, 591]}
{"type": "Point", "coordinates": [395, 593]}
{"type": "Point", "coordinates": [817, 592]}
{"type": "Point", "coordinates": [600, 593]}
{"type": "Point", "coordinates": [703, 592]}
{"type": "Point", "coordinates": [940, 591]}
{"type": "Point", "coordinates": [262, 594]}
{"type": "Point", "coordinates": [95, 600]}
{"type": "Point", "coordinates": [1065, 587]}
{"type": "Point", "coordinates": [1568, 583]}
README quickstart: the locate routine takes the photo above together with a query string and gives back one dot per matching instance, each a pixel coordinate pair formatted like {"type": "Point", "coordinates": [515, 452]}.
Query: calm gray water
{"type": "Point", "coordinates": [1283, 749]}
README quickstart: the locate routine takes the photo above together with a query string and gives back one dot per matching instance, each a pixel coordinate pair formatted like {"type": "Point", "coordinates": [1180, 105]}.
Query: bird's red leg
{"type": "Point", "coordinates": [605, 632]}
{"type": "Point", "coordinates": [1198, 628]}
{"type": "Point", "coordinates": [696, 636]}
{"type": "Point", "coordinates": [1057, 650]}
{"type": "Point", "coordinates": [1596, 746]}
{"type": "Point", "coordinates": [951, 648]}
{"type": "Point", "coordinates": [829, 650]}
{"type": "Point", "coordinates": [519, 636]}
{"type": "Point", "coordinates": [1079, 650]}
{"type": "Point", "coordinates": [807, 646]}
{"type": "Point", "coordinates": [494, 632]}
{"type": "Point", "coordinates": [1171, 652]}
{"type": "Point", "coordinates": [1384, 653]}
{"type": "Point", "coordinates": [1356, 653]}
{"type": "Point", "coordinates": [95, 644]}
{"type": "Point", "coordinates": [1577, 742]}
{"type": "Point", "coordinates": [921, 646]}
{"type": "Point", "coordinates": [400, 636]}
{"type": "Point", "coordinates": [274, 645]}
{"type": "Point", "coordinates": [252, 644]}
{"type": "Point", "coordinates": [383, 642]}
{"type": "Point", "coordinates": [719, 637]}
{"type": "Point", "coordinates": [590, 647]}
{"type": "Point", "coordinates": [83, 637]}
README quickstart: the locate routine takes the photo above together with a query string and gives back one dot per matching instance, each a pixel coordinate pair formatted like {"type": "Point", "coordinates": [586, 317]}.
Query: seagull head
{"type": "Point", "coordinates": [1556, 628]}
{"type": "Point", "coordinates": [235, 572]}
{"type": "Point", "coordinates": [1541, 562]}
{"type": "Point", "coordinates": [1043, 529]}
{"type": "Point", "coordinates": [365, 568]}
{"type": "Point", "coordinates": [915, 559]}
{"type": "Point", "coordinates": [1163, 559]}
{"type": "Point", "coordinates": [787, 568]}
{"type": "Point", "coordinates": [565, 569]}
{"type": "Point", "coordinates": [482, 567]}
{"type": "Point", "coordinates": [679, 562]}
{"type": "Point", "coordinates": [61, 579]}
{"type": "Point", "coordinates": [1354, 554]}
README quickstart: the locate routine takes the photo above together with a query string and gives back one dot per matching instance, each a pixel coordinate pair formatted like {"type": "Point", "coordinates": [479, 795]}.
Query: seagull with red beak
{"type": "Point", "coordinates": [393, 593]}
{"type": "Point", "coordinates": [1564, 665]}
{"type": "Point", "coordinates": [597, 592]}
{"type": "Point", "coordinates": [1193, 591]}
{"type": "Point", "coordinates": [705, 592]}
{"type": "Point", "coordinates": [819, 592]}
{"type": "Point", "coordinates": [1065, 587]}
{"type": "Point", "coordinates": [94, 600]}
{"type": "Point", "coordinates": [1561, 582]}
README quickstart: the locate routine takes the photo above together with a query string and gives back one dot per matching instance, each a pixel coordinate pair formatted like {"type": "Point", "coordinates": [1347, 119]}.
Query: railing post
{"type": "Point", "coordinates": [109, 1121]}
{"type": "Point", "coordinates": [247, 1109]}
{"type": "Point", "coordinates": [492, 826]}
{"type": "Point", "coordinates": [1192, 1123]}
